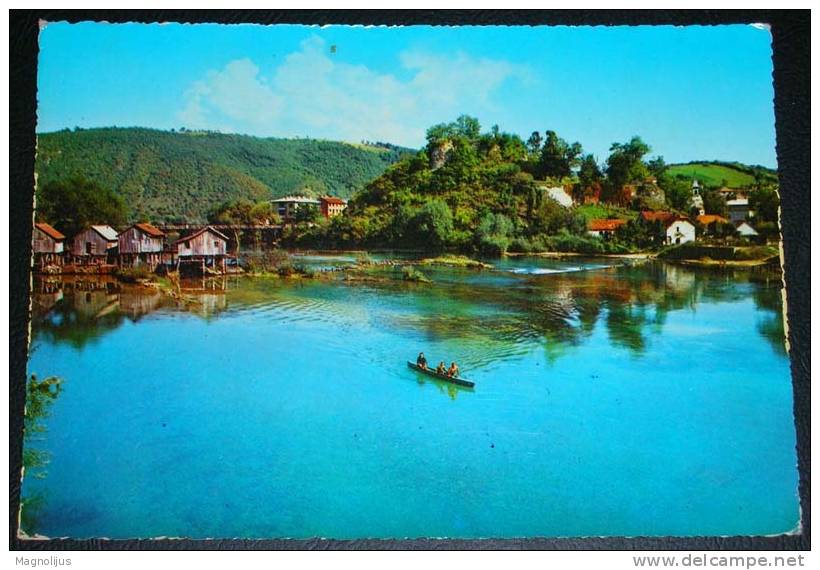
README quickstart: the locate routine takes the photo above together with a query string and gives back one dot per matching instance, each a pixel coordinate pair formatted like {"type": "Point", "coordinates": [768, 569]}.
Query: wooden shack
{"type": "Point", "coordinates": [93, 245]}
{"type": "Point", "coordinates": [141, 244]}
{"type": "Point", "coordinates": [205, 250]}
{"type": "Point", "coordinates": [48, 245]}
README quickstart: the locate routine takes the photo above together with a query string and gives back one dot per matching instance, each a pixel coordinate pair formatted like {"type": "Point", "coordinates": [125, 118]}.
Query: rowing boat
{"type": "Point", "coordinates": [442, 377]}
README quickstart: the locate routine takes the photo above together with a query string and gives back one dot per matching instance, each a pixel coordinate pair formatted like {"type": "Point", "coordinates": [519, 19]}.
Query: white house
{"type": "Point", "coordinates": [680, 230]}
{"type": "Point", "coordinates": [286, 207]}
{"type": "Point", "coordinates": [738, 210]}
{"type": "Point", "coordinates": [745, 230]}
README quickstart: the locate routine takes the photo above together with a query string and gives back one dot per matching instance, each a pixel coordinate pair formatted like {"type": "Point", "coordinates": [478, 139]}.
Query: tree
{"type": "Point", "coordinates": [76, 203]}
{"type": "Point", "coordinates": [678, 193]}
{"type": "Point", "coordinates": [242, 212]}
{"type": "Point", "coordinates": [464, 126]}
{"type": "Point", "coordinates": [492, 236]}
{"type": "Point", "coordinates": [589, 173]}
{"type": "Point", "coordinates": [714, 202]}
{"type": "Point", "coordinates": [765, 202]}
{"type": "Point", "coordinates": [625, 163]}
{"type": "Point", "coordinates": [657, 166]}
{"type": "Point", "coordinates": [439, 133]}
{"type": "Point", "coordinates": [640, 234]}
{"type": "Point", "coordinates": [307, 213]}
{"type": "Point", "coordinates": [468, 127]}
{"type": "Point", "coordinates": [433, 224]}
{"type": "Point", "coordinates": [534, 143]}
{"type": "Point", "coordinates": [263, 213]}
{"type": "Point", "coordinates": [558, 158]}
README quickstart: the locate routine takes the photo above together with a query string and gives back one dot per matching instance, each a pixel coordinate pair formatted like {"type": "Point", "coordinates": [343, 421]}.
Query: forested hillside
{"type": "Point", "coordinates": [490, 192]}
{"type": "Point", "coordinates": [180, 176]}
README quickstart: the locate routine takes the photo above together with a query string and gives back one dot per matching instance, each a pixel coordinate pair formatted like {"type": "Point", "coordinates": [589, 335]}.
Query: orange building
{"type": "Point", "coordinates": [332, 206]}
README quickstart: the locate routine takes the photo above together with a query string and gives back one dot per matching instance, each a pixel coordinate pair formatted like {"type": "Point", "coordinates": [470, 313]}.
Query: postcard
{"type": "Point", "coordinates": [394, 282]}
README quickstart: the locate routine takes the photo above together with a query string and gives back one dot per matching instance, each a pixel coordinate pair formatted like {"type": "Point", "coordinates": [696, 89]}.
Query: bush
{"type": "Point", "coordinates": [410, 273]}
{"type": "Point", "coordinates": [493, 245]}
{"type": "Point", "coordinates": [133, 274]}
{"type": "Point", "coordinates": [520, 245]}
{"type": "Point", "coordinates": [566, 242]}
{"type": "Point", "coordinates": [266, 262]}
{"type": "Point", "coordinates": [363, 258]}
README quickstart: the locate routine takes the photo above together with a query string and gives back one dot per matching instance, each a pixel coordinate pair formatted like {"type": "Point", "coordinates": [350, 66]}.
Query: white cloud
{"type": "Point", "coordinates": [312, 94]}
{"type": "Point", "coordinates": [235, 93]}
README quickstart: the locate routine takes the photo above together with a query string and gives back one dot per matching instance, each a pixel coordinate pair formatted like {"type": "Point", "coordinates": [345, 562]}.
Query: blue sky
{"type": "Point", "coordinates": [692, 93]}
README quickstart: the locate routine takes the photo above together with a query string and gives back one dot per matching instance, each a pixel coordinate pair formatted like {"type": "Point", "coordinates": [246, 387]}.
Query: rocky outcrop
{"type": "Point", "coordinates": [438, 154]}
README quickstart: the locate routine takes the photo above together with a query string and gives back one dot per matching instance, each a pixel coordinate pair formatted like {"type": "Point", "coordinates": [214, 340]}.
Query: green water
{"type": "Point", "coordinates": [610, 400]}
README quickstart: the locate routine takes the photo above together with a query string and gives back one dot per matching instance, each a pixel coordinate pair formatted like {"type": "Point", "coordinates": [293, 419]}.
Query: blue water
{"type": "Point", "coordinates": [609, 401]}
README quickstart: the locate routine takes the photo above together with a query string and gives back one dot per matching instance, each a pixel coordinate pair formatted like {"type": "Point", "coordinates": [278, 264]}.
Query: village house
{"type": "Point", "coordinates": [677, 229]}
{"type": "Point", "coordinates": [94, 245]}
{"type": "Point", "coordinates": [604, 228]}
{"type": "Point", "coordinates": [744, 229]}
{"type": "Point", "coordinates": [205, 250]}
{"type": "Point", "coordinates": [332, 206]}
{"type": "Point", "coordinates": [731, 193]}
{"type": "Point", "coordinates": [141, 244]}
{"type": "Point", "coordinates": [288, 206]}
{"type": "Point", "coordinates": [47, 244]}
{"type": "Point", "coordinates": [738, 210]}
{"type": "Point", "coordinates": [711, 223]}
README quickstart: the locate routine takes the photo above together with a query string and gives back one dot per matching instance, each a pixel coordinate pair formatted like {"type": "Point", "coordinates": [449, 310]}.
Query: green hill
{"type": "Point", "coordinates": [731, 174]}
{"type": "Point", "coordinates": [167, 176]}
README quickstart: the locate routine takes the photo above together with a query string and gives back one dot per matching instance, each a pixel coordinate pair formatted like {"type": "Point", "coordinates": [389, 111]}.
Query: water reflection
{"type": "Point", "coordinates": [561, 310]}
{"type": "Point", "coordinates": [492, 315]}
{"type": "Point", "coordinates": [80, 310]}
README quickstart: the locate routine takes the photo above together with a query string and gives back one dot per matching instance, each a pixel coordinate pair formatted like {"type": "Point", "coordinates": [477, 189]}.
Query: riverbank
{"type": "Point", "coordinates": [562, 254]}
{"type": "Point", "coordinates": [705, 255]}
{"type": "Point", "coordinates": [734, 264]}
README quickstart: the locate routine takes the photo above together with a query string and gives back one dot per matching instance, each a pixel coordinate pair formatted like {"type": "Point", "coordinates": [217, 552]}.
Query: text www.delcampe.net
{"type": "Point", "coordinates": [719, 561]}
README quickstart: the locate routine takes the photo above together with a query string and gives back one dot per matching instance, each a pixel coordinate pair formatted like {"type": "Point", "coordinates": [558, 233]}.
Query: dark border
{"type": "Point", "coordinates": [791, 47]}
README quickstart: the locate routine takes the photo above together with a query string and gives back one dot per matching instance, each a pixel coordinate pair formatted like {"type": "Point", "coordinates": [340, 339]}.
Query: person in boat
{"type": "Point", "coordinates": [441, 368]}
{"type": "Point", "coordinates": [452, 372]}
{"type": "Point", "coordinates": [421, 362]}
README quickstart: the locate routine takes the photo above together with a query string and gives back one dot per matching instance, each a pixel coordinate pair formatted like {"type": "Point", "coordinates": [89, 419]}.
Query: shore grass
{"type": "Point", "coordinates": [455, 261]}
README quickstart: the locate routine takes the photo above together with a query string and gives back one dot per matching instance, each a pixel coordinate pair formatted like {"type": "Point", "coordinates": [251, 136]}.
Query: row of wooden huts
{"type": "Point", "coordinates": [139, 245]}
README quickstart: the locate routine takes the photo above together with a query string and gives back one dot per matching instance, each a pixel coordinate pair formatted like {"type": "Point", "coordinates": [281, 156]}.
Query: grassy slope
{"type": "Point", "coordinates": [166, 176]}
{"type": "Point", "coordinates": [604, 211]}
{"type": "Point", "coordinates": [711, 174]}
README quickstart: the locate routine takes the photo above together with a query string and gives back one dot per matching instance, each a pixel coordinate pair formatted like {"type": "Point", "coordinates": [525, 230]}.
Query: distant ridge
{"type": "Point", "coordinates": [169, 176]}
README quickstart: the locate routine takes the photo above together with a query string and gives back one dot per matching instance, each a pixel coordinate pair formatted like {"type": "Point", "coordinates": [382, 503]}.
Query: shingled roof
{"type": "Point", "coordinates": [149, 229]}
{"type": "Point", "coordinates": [49, 231]}
{"type": "Point", "coordinates": [605, 225]}
{"type": "Point", "coordinates": [200, 232]}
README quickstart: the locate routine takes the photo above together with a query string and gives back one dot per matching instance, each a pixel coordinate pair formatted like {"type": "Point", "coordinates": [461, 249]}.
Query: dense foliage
{"type": "Point", "coordinates": [180, 176]}
{"type": "Point", "coordinates": [490, 193]}
{"type": "Point", "coordinates": [71, 205]}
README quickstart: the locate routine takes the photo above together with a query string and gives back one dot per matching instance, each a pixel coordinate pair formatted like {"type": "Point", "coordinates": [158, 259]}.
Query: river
{"type": "Point", "coordinates": [612, 399]}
